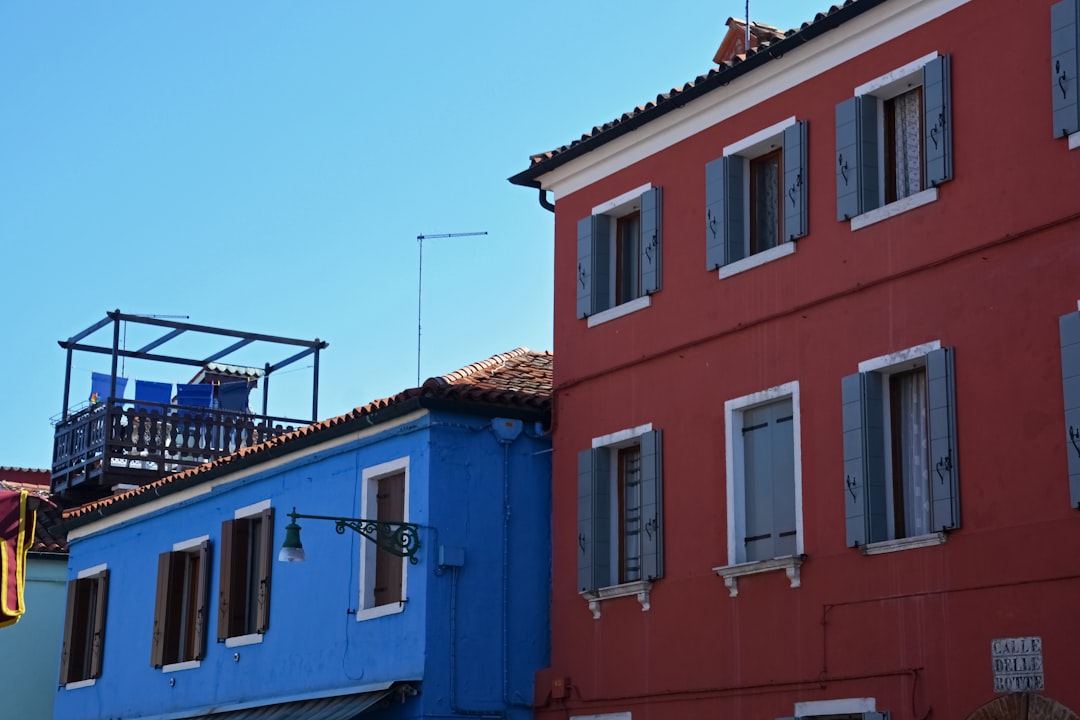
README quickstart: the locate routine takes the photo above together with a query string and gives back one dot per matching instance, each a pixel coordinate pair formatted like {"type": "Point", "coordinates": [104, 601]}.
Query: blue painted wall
{"type": "Point", "coordinates": [458, 473]}
{"type": "Point", "coordinates": [28, 683]}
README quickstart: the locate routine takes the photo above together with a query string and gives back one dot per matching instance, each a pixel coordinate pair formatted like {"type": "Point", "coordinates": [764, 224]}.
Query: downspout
{"type": "Point", "coordinates": [544, 202]}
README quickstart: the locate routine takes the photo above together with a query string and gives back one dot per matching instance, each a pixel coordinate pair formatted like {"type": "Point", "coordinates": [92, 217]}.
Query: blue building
{"type": "Point", "coordinates": [178, 608]}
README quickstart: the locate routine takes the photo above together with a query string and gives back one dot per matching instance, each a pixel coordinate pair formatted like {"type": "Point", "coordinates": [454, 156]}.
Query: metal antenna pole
{"type": "Point", "coordinates": [420, 286]}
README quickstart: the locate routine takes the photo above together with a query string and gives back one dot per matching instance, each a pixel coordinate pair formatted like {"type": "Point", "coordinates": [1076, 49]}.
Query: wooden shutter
{"type": "Point", "coordinates": [944, 477]}
{"type": "Point", "coordinates": [651, 246]}
{"type": "Point", "coordinates": [856, 157]}
{"type": "Point", "coordinates": [97, 641]}
{"type": "Point", "coordinates": [202, 604]}
{"type": "Point", "coordinates": [161, 610]}
{"type": "Point", "coordinates": [225, 574]}
{"type": "Point", "coordinates": [652, 506]}
{"type": "Point", "coordinates": [734, 216]}
{"type": "Point", "coordinates": [937, 121]}
{"type": "Point", "coordinates": [594, 518]}
{"type": "Point", "coordinates": [265, 566]}
{"type": "Point", "coordinates": [714, 214]}
{"type": "Point", "coordinates": [390, 507]}
{"type": "Point", "coordinates": [1065, 66]}
{"type": "Point", "coordinates": [1070, 381]}
{"type": "Point", "coordinates": [864, 459]}
{"type": "Point", "coordinates": [70, 619]}
{"type": "Point", "coordinates": [795, 177]}
{"type": "Point", "coordinates": [584, 278]}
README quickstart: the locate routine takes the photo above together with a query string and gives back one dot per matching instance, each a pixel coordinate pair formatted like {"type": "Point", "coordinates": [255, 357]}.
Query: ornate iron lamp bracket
{"type": "Point", "coordinates": [397, 538]}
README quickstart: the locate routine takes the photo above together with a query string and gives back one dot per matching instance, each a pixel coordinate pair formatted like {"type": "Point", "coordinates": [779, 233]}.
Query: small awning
{"type": "Point", "coordinates": [342, 707]}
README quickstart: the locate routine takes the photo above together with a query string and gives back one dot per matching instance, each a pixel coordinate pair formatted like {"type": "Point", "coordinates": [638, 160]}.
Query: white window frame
{"type": "Point", "coordinates": [617, 207]}
{"type": "Point", "coordinates": [183, 546]}
{"type": "Point", "coordinates": [886, 366]}
{"type": "Point", "coordinates": [369, 504]}
{"type": "Point", "coordinates": [639, 588]}
{"type": "Point", "coordinates": [750, 148]}
{"type": "Point", "coordinates": [248, 511]}
{"type": "Point", "coordinates": [736, 521]}
{"type": "Point", "coordinates": [884, 88]}
{"type": "Point", "coordinates": [81, 575]}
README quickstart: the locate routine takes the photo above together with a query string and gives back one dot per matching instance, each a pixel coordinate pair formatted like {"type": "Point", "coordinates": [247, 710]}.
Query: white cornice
{"type": "Point", "coordinates": [848, 41]}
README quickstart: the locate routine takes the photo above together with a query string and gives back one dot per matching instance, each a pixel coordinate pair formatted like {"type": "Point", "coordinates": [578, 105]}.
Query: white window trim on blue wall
{"type": "Point", "coordinates": [181, 547]}
{"type": "Point", "coordinates": [245, 512]}
{"type": "Point", "coordinates": [366, 609]}
{"type": "Point", "coordinates": [85, 573]}
{"type": "Point", "coordinates": [733, 422]}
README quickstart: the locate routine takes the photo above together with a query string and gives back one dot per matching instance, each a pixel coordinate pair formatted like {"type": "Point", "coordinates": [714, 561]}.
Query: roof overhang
{"type": "Point", "coordinates": [537, 175]}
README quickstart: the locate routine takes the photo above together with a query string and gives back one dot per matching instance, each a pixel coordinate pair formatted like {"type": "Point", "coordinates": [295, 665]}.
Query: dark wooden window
{"type": "Point", "coordinates": [390, 499]}
{"type": "Point", "coordinates": [765, 208]}
{"type": "Point", "coordinates": [84, 628]}
{"type": "Point", "coordinates": [629, 490]}
{"type": "Point", "coordinates": [628, 258]}
{"type": "Point", "coordinates": [904, 151]}
{"type": "Point", "coordinates": [244, 576]}
{"type": "Point", "coordinates": [180, 609]}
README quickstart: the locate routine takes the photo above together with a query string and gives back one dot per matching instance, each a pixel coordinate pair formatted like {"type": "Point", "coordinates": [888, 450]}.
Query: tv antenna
{"type": "Point", "coordinates": [420, 285]}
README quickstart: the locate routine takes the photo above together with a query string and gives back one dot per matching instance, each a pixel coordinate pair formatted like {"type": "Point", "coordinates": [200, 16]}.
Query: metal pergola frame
{"type": "Point", "coordinates": [176, 329]}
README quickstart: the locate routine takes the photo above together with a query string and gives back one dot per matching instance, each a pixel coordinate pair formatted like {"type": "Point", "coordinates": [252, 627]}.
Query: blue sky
{"type": "Point", "coordinates": [266, 166]}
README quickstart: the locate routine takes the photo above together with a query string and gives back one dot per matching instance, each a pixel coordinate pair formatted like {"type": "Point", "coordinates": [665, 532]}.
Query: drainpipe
{"type": "Point", "coordinates": [544, 202]}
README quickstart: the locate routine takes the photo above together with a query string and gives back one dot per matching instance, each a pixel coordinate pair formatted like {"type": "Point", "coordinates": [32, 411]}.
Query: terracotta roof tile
{"type": "Point", "coordinates": [716, 77]}
{"type": "Point", "coordinates": [518, 379]}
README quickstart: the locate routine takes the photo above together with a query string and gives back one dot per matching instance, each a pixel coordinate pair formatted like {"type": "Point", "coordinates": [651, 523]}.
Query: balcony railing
{"type": "Point", "coordinates": [114, 443]}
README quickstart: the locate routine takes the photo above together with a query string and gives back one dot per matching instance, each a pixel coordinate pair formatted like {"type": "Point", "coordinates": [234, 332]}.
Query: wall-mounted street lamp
{"type": "Point", "coordinates": [397, 538]}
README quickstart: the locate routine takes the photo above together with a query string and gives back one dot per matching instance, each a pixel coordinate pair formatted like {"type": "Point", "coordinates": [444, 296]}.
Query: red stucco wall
{"type": "Point", "coordinates": [987, 269]}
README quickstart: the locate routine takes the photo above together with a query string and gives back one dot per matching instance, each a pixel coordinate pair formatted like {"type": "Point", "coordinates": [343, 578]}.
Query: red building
{"type": "Point", "coordinates": [817, 433]}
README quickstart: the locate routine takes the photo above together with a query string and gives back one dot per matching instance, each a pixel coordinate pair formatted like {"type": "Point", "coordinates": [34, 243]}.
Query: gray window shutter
{"type": "Point", "coordinates": [795, 177]}
{"type": "Point", "coordinates": [856, 157]}
{"type": "Point", "coordinates": [1065, 66]}
{"type": "Point", "coordinates": [601, 262]}
{"type": "Point", "coordinates": [1070, 378]}
{"type": "Point", "coordinates": [875, 716]}
{"type": "Point", "coordinates": [864, 459]}
{"type": "Point", "coordinates": [847, 160]}
{"type": "Point", "coordinates": [651, 246]}
{"type": "Point", "coordinates": [584, 267]}
{"type": "Point", "coordinates": [768, 481]}
{"type": "Point", "coordinates": [594, 518]}
{"type": "Point", "coordinates": [944, 476]}
{"type": "Point", "coordinates": [652, 507]}
{"type": "Point", "coordinates": [734, 222]}
{"type": "Point", "coordinates": [937, 120]}
{"type": "Point", "coordinates": [714, 214]}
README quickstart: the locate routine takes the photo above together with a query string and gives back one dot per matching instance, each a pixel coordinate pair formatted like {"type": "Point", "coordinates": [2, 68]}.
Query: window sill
{"type": "Point", "coordinates": [888, 546]}
{"type": "Point", "coordinates": [640, 588]}
{"type": "Point", "coordinates": [758, 259]}
{"type": "Point", "coordinates": [789, 565]}
{"type": "Point", "coordinates": [894, 208]}
{"type": "Point", "coordinates": [241, 640]}
{"type": "Point", "coordinates": [80, 684]}
{"type": "Point", "coordinates": [619, 310]}
{"type": "Point", "coordinates": [380, 611]}
{"type": "Point", "coordinates": [1074, 141]}
{"type": "Point", "coordinates": [186, 665]}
